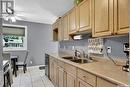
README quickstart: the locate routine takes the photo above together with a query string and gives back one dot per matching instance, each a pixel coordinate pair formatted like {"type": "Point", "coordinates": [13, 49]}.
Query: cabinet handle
{"type": "Point", "coordinates": [111, 33]}
{"type": "Point", "coordinates": [84, 76]}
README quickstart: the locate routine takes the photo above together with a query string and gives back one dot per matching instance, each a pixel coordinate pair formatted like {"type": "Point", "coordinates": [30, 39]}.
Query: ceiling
{"type": "Point", "coordinates": [42, 11]}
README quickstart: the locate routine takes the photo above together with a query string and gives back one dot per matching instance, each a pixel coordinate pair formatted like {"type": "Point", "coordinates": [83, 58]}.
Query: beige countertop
{"type": "Point", "coordinates": [103, 69]}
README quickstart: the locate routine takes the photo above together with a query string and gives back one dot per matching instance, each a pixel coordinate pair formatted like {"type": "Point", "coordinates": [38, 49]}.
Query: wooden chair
{"type": "Point", "coordinates": [23, 64]}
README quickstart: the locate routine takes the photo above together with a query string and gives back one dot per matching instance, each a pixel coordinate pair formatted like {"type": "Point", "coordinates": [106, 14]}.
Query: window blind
{"type": "Point", "coordinates": [9, 30]}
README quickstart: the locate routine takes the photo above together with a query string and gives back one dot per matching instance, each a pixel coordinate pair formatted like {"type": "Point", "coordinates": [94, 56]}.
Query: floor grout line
{"type": "Point", "coordinates": [34, 77]}
{"type": "Point", "coordinates": [43, 81]}
{"type": "Point", "coordinates": [31, 78]}
{"type": "Point", "coordinates": [20, 78]}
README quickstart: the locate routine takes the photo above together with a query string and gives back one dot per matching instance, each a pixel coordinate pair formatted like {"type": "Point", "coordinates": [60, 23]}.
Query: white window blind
{"type": "Point", "coordinates": [8, 30]}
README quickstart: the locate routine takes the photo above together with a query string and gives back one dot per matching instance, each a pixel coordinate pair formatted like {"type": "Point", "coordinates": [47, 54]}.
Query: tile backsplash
{"type": "Point", "coordinates": [116, 44]}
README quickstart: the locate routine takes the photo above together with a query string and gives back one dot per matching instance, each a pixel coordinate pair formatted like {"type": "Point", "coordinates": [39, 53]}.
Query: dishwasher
{"type": "Point", "coordinates": [47, 70]}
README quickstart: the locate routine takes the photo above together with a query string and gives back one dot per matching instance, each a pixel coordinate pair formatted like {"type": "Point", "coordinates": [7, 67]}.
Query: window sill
{"type": "Point", "coordinates": [14, 49]}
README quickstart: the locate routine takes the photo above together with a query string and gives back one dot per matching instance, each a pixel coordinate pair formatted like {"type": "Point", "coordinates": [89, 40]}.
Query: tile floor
{"type": "Point", "coordinates": [32, 78]}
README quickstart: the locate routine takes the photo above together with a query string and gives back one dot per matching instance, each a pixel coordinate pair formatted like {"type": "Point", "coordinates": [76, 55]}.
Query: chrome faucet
{"type": "Point", "coordinates": [77, 53]}
{"type": "Point", "coordinates": [80, 54]}
{"type": "Point", "coordinates": [84, 55]}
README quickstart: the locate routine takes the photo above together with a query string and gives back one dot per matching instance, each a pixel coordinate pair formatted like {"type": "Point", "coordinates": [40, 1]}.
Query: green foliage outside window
{"type": "Point", "coordinates": [13, 41]}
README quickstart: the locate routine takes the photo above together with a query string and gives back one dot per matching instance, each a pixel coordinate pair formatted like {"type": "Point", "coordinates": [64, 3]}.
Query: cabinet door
{"type": "Point", "coordinates": [60, 31]}
{"type": "Point", "coordinates": [65, 27]}
{"type": "Point", "coordinates": [104, 83]}
{"type": "Point", "coordinates": [84, 13]}
{"type": "Point", "coordinates": [55, 74]}
{"type": "Point", "coordinates": [72, 21]}
{"type": "Point", "coordinates": [61, 77]}
{"type": "Point", "coordinates": [122, 16]}
{"type": "Point", "coordinates": [81, 83]}
{"type": "Point", "coordinates": [103, 17]}
{"type": "Point", "coordinates": [70, 80]}
{"type": "Point", "coordinates": [51, 70]}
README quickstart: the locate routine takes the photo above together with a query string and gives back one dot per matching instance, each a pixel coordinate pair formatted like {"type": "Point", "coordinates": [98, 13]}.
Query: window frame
{"type": "Point", "coordinates": [25, 40]}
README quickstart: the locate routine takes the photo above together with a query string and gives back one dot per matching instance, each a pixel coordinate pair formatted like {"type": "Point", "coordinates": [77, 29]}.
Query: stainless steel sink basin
{"type": "Point", "coordinates": [80, 61]}
{"type": "Point", "coordinates": [68, 58]}
{"type": "Point", "coordinates": [76, 60]}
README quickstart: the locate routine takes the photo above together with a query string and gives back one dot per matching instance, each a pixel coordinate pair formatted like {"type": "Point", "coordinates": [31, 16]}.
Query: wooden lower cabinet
{"type": "Point", "coordinates": [60, 77]}
{"type": "Point", "coordinates": [81, 83]}
{"type": "Point", "coordinates": [103, 83]}
{"type": "Point", "coordinates": [86, 77]}
{"type": "Point", "coordinates": [55, 74]}
{"type": "Point", "coordinates": [70, 80]}
{"type": "Point", "coordinates": [66, 75]}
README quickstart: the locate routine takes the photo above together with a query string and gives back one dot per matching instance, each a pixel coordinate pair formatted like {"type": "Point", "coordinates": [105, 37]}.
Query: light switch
{"type": "Point", "coordinates": [73, 47]}
{"type": "Point", "coordinates": [108, 49]}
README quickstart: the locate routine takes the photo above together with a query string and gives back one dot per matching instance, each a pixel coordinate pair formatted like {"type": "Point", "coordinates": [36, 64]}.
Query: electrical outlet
{"type": "Point", "coordinates": [64, 47]}
{"type": "Point", "coordinates": [30, 62]}
{"type": "Point", "coordinates": [109, 49]}
{"type": "Point", "coordinates": [73, 47]}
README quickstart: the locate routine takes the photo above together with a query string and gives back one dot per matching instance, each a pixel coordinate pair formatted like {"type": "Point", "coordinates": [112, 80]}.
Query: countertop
{"type": "Point", "coordinates": [106, 70]}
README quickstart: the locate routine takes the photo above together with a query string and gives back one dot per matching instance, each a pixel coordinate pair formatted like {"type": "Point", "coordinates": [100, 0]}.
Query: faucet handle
{"type": "Point", "coordinates": [84, 54]}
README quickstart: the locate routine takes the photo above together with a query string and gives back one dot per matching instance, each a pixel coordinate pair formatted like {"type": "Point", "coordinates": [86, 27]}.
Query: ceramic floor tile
{"type": "Point", "coordinates": [32, 78]}
{"type": "Point", "coordinates": [46, 81]}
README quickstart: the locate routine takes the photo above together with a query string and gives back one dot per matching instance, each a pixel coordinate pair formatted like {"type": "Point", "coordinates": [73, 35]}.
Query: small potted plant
{"type": "Point", "coordinates": [76, 2]}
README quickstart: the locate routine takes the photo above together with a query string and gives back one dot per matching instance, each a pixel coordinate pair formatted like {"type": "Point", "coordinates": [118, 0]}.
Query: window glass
{"type": "Point", "coordinates": [13, 41]}
{"type": "Point", "coordinates": [14, 37]}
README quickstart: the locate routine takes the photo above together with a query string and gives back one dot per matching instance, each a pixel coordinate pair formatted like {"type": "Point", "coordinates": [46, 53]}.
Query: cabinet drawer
{"type": "Point", "coordinates": [70, 69]}
{"type": "Point", "coordinates": [87, 77]}
{"type": "Point", "coordinates": [81, 83]}
{"type": "Point", "coordinates": [103, 83]}
{"type": "Point", "coordinates": [61, 64]}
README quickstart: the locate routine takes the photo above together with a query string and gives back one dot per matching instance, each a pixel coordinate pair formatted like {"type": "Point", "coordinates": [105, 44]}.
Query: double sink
{"type": "Point", "coordinates": [78, 60]}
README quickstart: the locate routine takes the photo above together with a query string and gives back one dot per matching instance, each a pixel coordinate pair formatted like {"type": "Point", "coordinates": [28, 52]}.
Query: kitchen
{"type": "Point", "coordinates": [76, 43]}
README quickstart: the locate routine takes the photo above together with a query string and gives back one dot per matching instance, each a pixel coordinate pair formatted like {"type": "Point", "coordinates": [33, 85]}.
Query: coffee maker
{"type": "Point", "coordinates": [126, 51]}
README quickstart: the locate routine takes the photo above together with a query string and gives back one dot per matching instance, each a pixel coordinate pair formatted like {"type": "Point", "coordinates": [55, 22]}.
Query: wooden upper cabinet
{"type": "Point", "coordinates": [84, 18]}
{"type": "Point", "coordinates": [72, 21]}
{"type": "Point", "coordinates": [65, 27]}
{"type": "Point", "coordinates": [103, 17]}
{"type": "Point", "coordinates": [55, 25]}
{"type": "Point", "coordinates": [110, 17]}
{"type": "Point", "coordinates": [60, 31]}
{"type": "Point", "coordinates": [57, 30]}
{"type": "Point", "coordinates": [121, 15]}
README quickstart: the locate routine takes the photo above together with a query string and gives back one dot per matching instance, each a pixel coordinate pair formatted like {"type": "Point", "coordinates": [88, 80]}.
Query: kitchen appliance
{"type": "Point", "coordinates": [1, 50]}
{"type": "Point", "coordinates": [47, 69]}
{"type": "Point", "coordinates": [7, 73]}
{"type": "Point", "coordinates": [126, 50]}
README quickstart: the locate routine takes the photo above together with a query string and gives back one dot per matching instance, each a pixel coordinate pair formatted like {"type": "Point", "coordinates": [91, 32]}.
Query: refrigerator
{"type": "Point", "coordinates": [1, 48]}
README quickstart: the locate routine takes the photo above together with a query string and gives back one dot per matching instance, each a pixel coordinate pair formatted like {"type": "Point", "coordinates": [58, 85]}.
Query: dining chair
{"type": "Point", "coordinates": [24, 63]}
